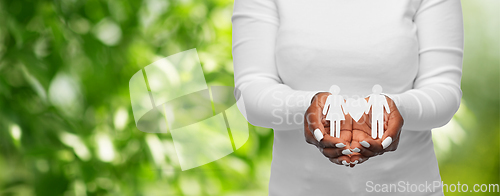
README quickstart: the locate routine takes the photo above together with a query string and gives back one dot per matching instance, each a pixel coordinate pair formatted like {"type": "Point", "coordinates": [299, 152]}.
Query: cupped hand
{"type": "Point", "coordinates": [364, 146]}
{"type": "Point", "coordinates": [317, 132]}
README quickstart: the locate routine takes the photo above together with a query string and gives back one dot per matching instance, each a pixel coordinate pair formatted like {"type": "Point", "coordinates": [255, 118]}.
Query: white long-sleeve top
{"type": "Point", "coordinates": [285, 51]}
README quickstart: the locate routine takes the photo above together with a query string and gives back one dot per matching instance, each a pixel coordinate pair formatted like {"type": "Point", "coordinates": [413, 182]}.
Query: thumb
{"type": "Point", "coordinates": [394, 125]}
{"type": "Point", "coordinates": [315, 126]}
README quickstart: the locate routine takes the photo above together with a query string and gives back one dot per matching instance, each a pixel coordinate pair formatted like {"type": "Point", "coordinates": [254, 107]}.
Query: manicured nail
{"type": "Point", "coordinates": [345, 163]}
{"type": "Point", "coordinates": [356, 150]}
{"type": "Point", "coordinates": [387, 142]}
{"type": "Point", "coordinates": [346, 152]}
{"type": "Point", "coordinates": [318, 134]}
{"type": "Point", "coordinates": [355, 162]}
{"type": "Point", "coordinates": [340, 145]}
{"type": "Point", "coordinates": [365, 144]}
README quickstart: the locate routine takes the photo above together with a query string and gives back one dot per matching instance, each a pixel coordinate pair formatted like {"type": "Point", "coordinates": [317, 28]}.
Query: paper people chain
{"type": "Point", "coordinates": [335, 108]}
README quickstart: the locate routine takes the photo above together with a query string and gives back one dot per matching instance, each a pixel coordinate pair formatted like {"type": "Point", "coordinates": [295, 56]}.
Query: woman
{"type": "Point", "coordinates": [288, 53]}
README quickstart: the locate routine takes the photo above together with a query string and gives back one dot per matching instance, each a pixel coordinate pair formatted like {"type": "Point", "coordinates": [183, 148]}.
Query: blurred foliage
{"type": "Point", "coordinates": [66, 125]}
{"type": "Point", "coordinates": [472, 138]}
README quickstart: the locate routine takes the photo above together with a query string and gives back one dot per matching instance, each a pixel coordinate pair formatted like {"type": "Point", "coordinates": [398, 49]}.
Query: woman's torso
{"type": "Point", "coordinates": [351, 43]}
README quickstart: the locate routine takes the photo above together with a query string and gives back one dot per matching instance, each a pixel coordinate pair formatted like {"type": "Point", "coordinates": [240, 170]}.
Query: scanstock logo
{"type": "Point", "coordinates": [172, 96]}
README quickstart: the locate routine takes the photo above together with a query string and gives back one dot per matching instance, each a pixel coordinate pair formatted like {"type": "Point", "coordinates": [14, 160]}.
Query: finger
{"type": "Point", "coordinates": [356, 147]}
{"type": "Point", "coordinates": [336, 143]}
{"type": "Point", "coordinates": [393, 146]}
{"type": "Point", "coordinates": [310, 137]}
{"type": "Point", "coordinates": [367, 142]}
{"type": "Point", "coordinates": [353, 162]}
{"type": "Point", "coordinates": [394, 125]}
{"type": "Point", "coordinates": [363, 141]}
{"type": "Point", "coordinates": [314, 124]}
{"type": "Point", "coordinates": [315, 130]}
{"type": "Point", "coordinates": [331, 152]}
{"type": "Point", "coordinates": [357, 159]}
{"type": "Point", "coordinates": [342, 160]}
{"type": "Point", "coordinates": [336, 161]}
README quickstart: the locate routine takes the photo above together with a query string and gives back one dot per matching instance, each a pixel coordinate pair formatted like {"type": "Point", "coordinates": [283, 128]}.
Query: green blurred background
{"type": "Point", "coordinates": [66, 124]}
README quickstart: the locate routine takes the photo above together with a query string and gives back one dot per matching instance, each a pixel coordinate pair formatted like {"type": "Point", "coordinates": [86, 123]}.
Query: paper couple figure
{"type": "Point", "coordinates": [334, 111]}
{"type": "Point", "coordinates": [377, 102]}
{"type": "Point", "coordinates": [335, 108]}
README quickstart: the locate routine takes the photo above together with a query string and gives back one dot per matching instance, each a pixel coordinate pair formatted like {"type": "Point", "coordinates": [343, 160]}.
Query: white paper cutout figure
{"type": "Point", "coordinates": [334, 111]}
{"type": "Point", "coordinates": [377, 102]}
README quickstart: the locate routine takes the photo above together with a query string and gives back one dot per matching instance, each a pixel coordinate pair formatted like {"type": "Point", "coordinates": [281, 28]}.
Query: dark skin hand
{"type": "Point", "coordinates": [353, 134]}
{"type": "Point", "coordinates": [329, 146]}
{"type": "Point", "coordinates": [361, 131]}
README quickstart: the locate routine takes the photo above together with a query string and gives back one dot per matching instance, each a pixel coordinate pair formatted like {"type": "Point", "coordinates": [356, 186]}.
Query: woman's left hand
{"type": "Point", "coordinates": [364, 146]}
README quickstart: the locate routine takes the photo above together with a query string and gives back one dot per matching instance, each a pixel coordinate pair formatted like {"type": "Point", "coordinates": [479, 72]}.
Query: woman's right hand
{"type": "Point", "coordinates": [317, 132]}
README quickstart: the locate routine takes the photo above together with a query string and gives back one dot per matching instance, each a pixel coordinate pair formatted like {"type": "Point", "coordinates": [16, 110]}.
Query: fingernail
{"type": "Point", "coordinates": [387, 142]}
{"type": "Point", "coordinates": [345, 163]}
{"type": "Point", "coordinates": [318, 134]}
{"type": "Point", "coordinates": [346, 152]}
{"type": "Point", "coordinates": [365, 144]}
{"type": "Point", "coordinates": [340, 145]}
{"type": "Point", "coordinates": [356, 150]}
{"type": "Point", "coordinates": [355, 162]}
